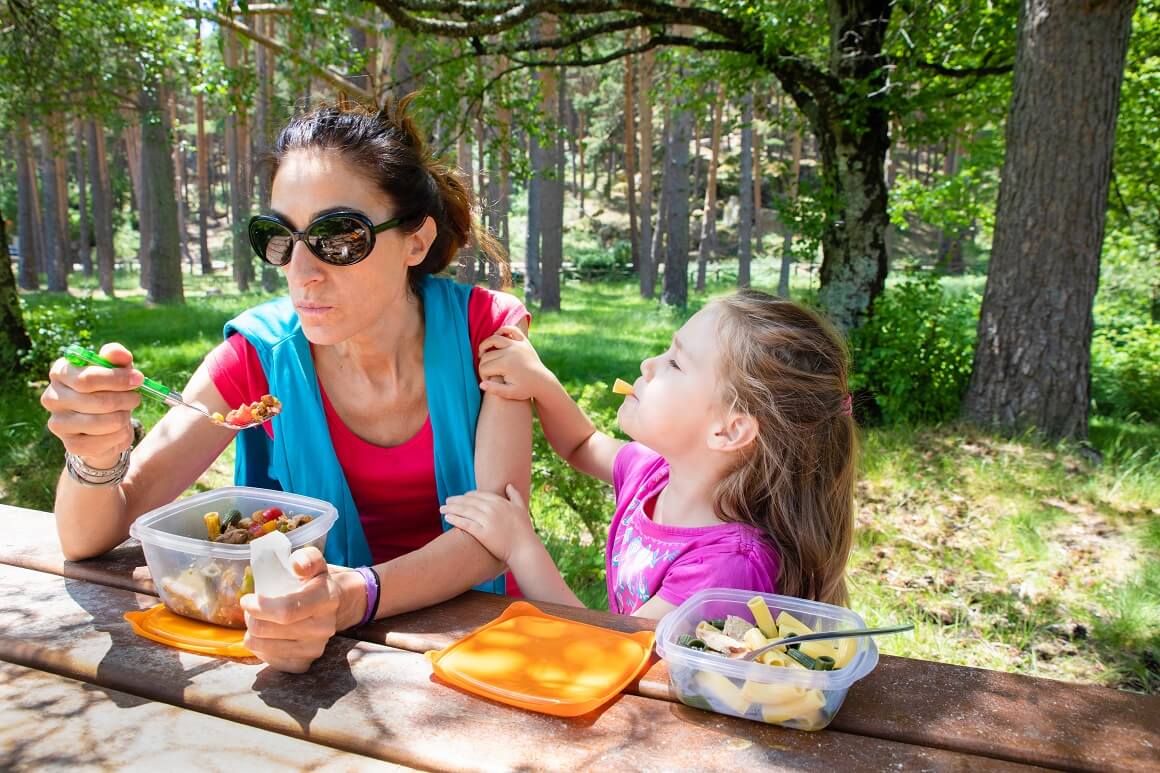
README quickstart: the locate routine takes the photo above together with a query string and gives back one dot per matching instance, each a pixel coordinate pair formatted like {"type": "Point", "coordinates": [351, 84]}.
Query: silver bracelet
{"type": "Point", "coordinates": [92, 476]}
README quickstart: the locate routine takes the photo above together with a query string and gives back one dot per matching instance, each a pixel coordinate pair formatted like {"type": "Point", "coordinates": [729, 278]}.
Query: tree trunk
{"type": "Point", "coordinates": [26, 205]}
{"type": "Point", "coordinates": [745, 214]}
{"type": "Point", "coordinates": [676, 286]}
{"type": "Point", "coordinates": [55, 228]}
{"type": "Point", "coordinates": [1033, 358]}
{"type": "Point", "coordinates": [102, 207]}
{"type": "Point", "coordinates": [852, 136]}
{"type": "Point", "coordinates": [503, 204]}
{"type": "Point", "coordinates": [708, 246]}
{"type": "Point", "coordinates": [532, 245]}
{"type": "Point", "coordinates": [239, 206]}
{"type": "Point", "coordinates": [552, 188]}
{"type": "Point", "coordinates": [264, 130]}
{"type": "Point", "coordinates": [795, 169]}
{"type": "Point", "coordinates": [84, 245]}
{"type": "Point", "coordinates": [465, 270]}
{"type": "Point", "coordinates": [757, 173]}
{"type": "Point", "coordinates": [203, 180]}
{"type": "Point", "coordinates": [132, 139]}
{"type": "Point", "coordinates": [13, 336]}
{"type": "Point", "coordinates": [644, 264]}
{"type": "Point", "coordinates": [950, 253]}
{"type": "Point", "coordinates": [656, 249]}
{"type": "Point", "coordinates": [159, 187]}
{"type": "Point", "coordinates": [179, 176]}
{"type": "Point", "coordinates": [630, 158]}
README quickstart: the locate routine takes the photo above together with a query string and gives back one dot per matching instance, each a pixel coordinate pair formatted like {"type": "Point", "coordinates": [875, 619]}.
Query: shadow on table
{"type": "Point", "coordinates": [301, 696]}
{"type": "Point", "coordinates": [130, 661]}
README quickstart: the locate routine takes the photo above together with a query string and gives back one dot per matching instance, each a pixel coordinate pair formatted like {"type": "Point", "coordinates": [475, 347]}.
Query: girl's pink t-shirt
{"type": "Point", "coordinates": [644, 558]}
{"type": "Point", "coordinates": [393, 488]}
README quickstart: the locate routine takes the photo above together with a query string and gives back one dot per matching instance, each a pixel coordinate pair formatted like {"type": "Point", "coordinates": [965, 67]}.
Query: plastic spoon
{"type": "Point", "coordinates": [80, 356]}
{"type": "Point", "coordinates": [824, 635]}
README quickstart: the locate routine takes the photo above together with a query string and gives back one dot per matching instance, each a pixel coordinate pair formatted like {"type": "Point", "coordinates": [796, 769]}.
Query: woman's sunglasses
{"type": "Point", "coordinates": [338, 238]}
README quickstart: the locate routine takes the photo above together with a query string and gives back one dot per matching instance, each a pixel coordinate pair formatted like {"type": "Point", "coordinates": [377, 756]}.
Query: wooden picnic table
{"type": "Point", "coordinates": [79, 688]}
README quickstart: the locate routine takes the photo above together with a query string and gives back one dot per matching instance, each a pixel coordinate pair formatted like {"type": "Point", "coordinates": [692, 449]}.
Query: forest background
{"type": "Point", "coordinates": [971, 190]}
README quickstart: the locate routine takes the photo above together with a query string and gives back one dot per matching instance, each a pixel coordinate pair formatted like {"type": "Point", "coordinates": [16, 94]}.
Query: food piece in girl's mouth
{"type": "Point", "coordinates": [622, 387]}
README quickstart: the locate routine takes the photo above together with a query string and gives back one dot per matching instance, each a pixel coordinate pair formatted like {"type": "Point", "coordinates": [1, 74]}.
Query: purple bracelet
{"type": "Point", "coordinates": [372, 583]}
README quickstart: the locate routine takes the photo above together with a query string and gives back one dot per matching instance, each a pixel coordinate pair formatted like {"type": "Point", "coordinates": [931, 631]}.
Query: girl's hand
{"type": "Point", "coordinates": [510, 355]}
{"type": "Point", "coordinates": [90, 406]}
{"type": "Point", "coordinates": [290, 632]}
{"type": "Point", "coordinates": [501, 525]}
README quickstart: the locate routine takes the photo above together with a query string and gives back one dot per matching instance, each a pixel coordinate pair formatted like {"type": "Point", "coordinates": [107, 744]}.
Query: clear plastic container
{"type": "Point", "coordinates": [791, 697]}
{"type": "Point", "coordinates": [202, 579]}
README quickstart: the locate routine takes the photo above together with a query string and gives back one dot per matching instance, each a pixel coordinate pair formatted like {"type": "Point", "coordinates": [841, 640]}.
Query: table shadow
{"type": "Point", "coordinates": [302, 696]}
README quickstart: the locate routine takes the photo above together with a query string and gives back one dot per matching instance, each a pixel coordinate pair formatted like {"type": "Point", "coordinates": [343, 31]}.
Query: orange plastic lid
{"type": "Point", "coordinates": [161, 625]}
{"type": "Point", "coordinates": [535, 661]}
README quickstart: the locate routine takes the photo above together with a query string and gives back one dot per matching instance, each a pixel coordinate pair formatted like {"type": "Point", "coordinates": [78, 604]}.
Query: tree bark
{"type": "Point", "coordinates": [239, 205]}
{"type": "Point", "coordinates": [795, 169]}
{"type": "Point", "coordinates": [552, 187]}
{"type": "Point", "coordinates": [708, 245]}
{"type": "Point", "coordinates": [102, 207]}
{"type": "Point", "coordinates": [159, 187]}
{"type": "Point", "coordinates": [630, 158]}
{"type": "Point", "coordinates": [179, 177]}
{"type": "Point", "coordinates": [532, 245]}
{"type": "Point", "coordinates": [745, 214]}
{"type": "Point", "coordinates": [203, 179]}
{"type": "Point", "coordinates": [132, 139]}
{"type": "Point", "coordinates": [465, 270]}
{"type": "Point", "coordinates": [13, 336]}
{"type": "Point", "coordinates": [756, 176]}
{"type": "Point", "coordinates": [656, 249]}
{"type": "Point", "coordinates": [1033, 359]}
{"type": "Point", "coordinates": [84, 245]}
{"type": "Point", "coordinates": [644, 264]}
{"type": "Point", "coordinates": [264, 130]}
{"type": "Point", "coordinates": [676, 285]}
{"type": "Point", "coordinates": [56, 258]}
{"type": "Point", "coordinates": [852, 150]}
{"type": "Point", "coordinates": [26, 205]}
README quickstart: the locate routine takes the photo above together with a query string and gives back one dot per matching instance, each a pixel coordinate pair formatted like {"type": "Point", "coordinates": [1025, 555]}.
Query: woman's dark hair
{"type": "Point", "coordinates": [385, 146]}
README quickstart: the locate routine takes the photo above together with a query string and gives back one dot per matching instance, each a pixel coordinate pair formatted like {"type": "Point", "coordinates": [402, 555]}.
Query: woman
{"type": "Point", "coordinates": [374, 361]}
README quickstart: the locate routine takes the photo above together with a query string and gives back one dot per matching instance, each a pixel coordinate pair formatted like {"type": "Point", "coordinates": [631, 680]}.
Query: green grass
{"type": "Point", "coordinates": [1008, 554]}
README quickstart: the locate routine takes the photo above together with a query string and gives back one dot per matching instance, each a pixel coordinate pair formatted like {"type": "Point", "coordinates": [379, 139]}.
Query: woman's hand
{"type": "Point", "coordinates": [509, 355]}
{"type": "Point", "coordinates": [502, 525]}
{"type": "Point", "coordinates": [290, 632]}
{"type": "Point", "coordinates": [90, 406]}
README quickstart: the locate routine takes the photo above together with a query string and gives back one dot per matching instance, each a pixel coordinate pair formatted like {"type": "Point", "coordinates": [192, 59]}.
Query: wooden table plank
{"type": "Point", "coordinates": [1007, 716]}
{"type": "Point", "coordinates": [49, 722]}
{"type": "Point", "coordinates": [382, 702]}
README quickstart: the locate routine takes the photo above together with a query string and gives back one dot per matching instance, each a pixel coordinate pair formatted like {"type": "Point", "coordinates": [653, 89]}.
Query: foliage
{"type": "Point", "coordinates": [1126, 372]}
{"type": "Point", "coordinates": [914, 355]}
{"type": "Point", "coordinates": [53, 326]}
{"type": "Point", "coordinates": [1134, 203]}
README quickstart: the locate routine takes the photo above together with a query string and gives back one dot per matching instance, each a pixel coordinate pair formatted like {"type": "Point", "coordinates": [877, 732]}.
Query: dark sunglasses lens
{"type": "Point", "coordinates": [340, 240]}
{"type": "Point", "coordinates": [271, 241]}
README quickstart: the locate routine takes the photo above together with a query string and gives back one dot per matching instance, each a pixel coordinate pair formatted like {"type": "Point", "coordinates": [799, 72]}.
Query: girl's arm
{"type": "Point", "coordinates": [571, 433]}
{"type": "Point", "coordinates": [503, 525]}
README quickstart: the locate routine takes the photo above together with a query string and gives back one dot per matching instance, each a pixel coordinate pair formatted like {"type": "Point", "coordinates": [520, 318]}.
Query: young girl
{"type": "Point", "coordinates": [741, 473]}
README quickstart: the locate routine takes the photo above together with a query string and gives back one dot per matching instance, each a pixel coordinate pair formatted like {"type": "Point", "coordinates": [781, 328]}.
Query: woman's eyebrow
{"type": "Point", "coordinates": [318, 214]}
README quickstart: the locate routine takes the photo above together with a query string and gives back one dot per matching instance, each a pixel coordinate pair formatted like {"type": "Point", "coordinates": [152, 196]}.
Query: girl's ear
{"type": "Point", "coordinates": [417, 244]}
{"type": "Point", "coordinates": [734, 432]}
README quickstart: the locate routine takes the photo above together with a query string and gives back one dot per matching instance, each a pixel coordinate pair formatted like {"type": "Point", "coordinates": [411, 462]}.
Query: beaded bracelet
{"type": "Point", "coordinates": [372, 583]}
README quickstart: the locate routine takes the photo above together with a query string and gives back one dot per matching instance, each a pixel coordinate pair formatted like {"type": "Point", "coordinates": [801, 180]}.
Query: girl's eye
{"type": "Point", "coordinates": [673, 364]}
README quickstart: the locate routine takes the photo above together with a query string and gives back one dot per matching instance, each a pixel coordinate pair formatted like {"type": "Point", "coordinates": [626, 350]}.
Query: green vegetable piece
{"type": "Point", "coordinates": [692, 642]}
{"type": "Point", "coordinates": [718, 623]}
{"type": "Point", "coordinates": [802, 658]}
{"type": "Point", "coordinates": [248, 582]}
{"type": "Point", "coordinates": [825, 663]}
{"type": "Point", "coordinates": [231, 518]}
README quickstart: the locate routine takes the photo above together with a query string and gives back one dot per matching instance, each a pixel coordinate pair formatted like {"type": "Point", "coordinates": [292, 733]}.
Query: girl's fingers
{"type": "Point", "coordinates": [494, 342]}
{"type": "Point", "coordinates": [512, 332]}
{"type": "Point", "coordinates": [508, 391]}
{"type": "Point", "coordinates": [515, 497]}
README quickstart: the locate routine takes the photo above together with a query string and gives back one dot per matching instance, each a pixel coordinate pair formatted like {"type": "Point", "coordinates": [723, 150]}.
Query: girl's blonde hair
{"type": "Point", "coordinates": [787, 367]}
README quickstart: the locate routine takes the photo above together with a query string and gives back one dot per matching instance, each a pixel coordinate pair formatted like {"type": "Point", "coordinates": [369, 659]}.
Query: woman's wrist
{"type": "Point", "coordinates": [352, 598]}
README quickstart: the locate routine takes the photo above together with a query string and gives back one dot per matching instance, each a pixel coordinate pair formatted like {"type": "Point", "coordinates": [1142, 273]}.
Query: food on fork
{"type": "Point", "coordinates": [247, 414]}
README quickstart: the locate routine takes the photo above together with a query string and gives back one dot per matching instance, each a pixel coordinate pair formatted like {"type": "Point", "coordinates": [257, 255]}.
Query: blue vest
{"type": "Point", "coordinates": [301, 457]}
